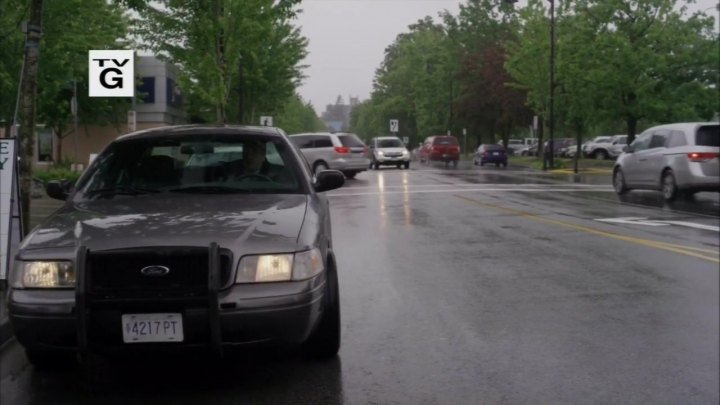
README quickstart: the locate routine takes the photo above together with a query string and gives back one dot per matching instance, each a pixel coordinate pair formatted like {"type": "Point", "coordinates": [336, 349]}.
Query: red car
{"type": "Point", "coordinates": [441, 148]}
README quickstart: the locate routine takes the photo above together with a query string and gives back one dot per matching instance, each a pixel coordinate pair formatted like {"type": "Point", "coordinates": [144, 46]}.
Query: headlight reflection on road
{"type": "Point", "coordinates": [406, 199]}
{"type": "Point", "coordinates": [381, 195]}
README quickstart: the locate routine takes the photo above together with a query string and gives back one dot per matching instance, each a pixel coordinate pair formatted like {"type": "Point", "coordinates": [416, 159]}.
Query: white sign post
{"type": "Point", "coordinates": [266, 121]}
{"type": "Point", "coordinates": [132, 121]}
{"type": "Point", "coordinates": [9, 206]}
{"type": "Point", "coordinates": [394, 126]}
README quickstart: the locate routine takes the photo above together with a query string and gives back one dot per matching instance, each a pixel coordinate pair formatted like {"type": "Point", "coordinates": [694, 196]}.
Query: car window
{"type": "Point", "coordinates": [192, 164]}
{"type": "Point", "coordinates": [708, 135]}
{"type": "Point", "coordinates": [642, 142]}
{"type": "Point", "coordinates": [493, 147]}
{"type": "Point", "coordinates": [389, 143]}
{"type": "Point", "coordinates": [350, 140]}
{"type": "Point", "coordinates": [445, 140]}
{"type": "Point", "coordinates": [302, 142]}
{"type": "Point", "coordinates": [657, 140]}
{"type": "Point", "coordinates": [323, 142]}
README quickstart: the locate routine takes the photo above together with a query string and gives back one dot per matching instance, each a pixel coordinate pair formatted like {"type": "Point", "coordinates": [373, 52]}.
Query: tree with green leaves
{"type": "Point", "coordinates": [297, 116]}
{"type": "Point", "coordinates": [649, 59]}
{"type": "Point", "coordinates": [243, 53]}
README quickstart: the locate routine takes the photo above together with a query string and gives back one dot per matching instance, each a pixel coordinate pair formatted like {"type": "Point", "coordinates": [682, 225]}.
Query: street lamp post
{"type": "Point", "coordinates": [552, 85]}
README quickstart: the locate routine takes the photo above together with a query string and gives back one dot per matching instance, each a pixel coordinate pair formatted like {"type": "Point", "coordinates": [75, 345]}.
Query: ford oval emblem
{"type": "Point", "coordinates": [155, 271]}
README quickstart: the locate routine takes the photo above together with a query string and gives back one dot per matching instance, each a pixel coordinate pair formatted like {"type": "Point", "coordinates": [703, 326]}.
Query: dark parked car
{"type": "Point", "coordinates": [162, 245]}
{"type": "Point", "coordinates": [490, 153]}
{"type": "Point", "coordinates": [558, 145]}
{"type": "Point", "coordinates": [443, 148]}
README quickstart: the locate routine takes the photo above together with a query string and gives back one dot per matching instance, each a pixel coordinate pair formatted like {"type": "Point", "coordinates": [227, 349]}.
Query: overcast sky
{"type": "Point", "coordinates": [348, 40]}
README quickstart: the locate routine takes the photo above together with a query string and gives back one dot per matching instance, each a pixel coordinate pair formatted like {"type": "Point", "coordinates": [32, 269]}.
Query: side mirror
{"type": "Point", "coordinates": [627, 149]}
{"type": "Point", "coordinates": [58, 189]}
{"type": "Point", "coordinates": [327, 180]}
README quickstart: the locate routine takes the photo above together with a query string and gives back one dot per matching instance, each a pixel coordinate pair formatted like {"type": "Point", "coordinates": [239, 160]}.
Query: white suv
{"type": "Point", "coordinates": [604, 147]}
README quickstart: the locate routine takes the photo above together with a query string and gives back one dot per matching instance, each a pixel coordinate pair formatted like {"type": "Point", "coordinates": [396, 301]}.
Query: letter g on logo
{"type": "Point", "coordinates": [117, 79]}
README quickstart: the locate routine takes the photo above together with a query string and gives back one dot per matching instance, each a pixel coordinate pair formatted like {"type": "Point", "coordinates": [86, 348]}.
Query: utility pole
{"type": "Point", "coordinates": [551, 143]}
{"type": "Point", "coordinates": [241, 106]}
{"type": "Point", "coordinates": [29, 95]}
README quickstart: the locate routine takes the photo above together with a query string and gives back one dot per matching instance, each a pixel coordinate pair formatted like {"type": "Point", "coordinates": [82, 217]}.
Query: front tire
{"type": "Point", "coordinates": [407, 165]}
{"type": "Point", "coordinates": [324, 343]}
{"type": "Point", "coordinates": [619, 182]}
{"type": "Point", "coordinates": [350, 175]}
{"type": "Point", "coordinates": [669, 186]}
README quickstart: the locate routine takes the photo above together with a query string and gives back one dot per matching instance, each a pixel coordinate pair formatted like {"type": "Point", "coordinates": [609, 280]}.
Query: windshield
{"type": "Point", "coordinates": [198, 164]}
{"type": "Point", "coordinates": [389, 143]}
{"type": "Point", "coordinates": [445, 140]}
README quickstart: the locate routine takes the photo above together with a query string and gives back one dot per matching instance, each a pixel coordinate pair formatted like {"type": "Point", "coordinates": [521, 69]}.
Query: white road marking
{"type": "Point", "coordinates": [652, 222]}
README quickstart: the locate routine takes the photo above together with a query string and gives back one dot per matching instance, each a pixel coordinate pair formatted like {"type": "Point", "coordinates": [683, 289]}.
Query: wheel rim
{"type": "Point", "coordinates": [668, 186]}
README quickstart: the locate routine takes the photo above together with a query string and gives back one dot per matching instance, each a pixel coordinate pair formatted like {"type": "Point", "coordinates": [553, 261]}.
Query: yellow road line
{"type": "Point", "coordinates": [685, 250]}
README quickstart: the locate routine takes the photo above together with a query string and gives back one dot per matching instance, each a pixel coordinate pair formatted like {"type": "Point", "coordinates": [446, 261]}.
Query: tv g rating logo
{"type": "Point", "coordinates": [112, 73]}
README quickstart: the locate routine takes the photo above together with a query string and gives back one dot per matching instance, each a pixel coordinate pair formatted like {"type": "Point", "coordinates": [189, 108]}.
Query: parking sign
{"type": "Point", "coordinates": [394, 125]}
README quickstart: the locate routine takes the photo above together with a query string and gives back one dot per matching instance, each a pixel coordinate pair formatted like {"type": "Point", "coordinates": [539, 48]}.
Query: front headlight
{"type": "Point", "coordinates": [406, 153]}
{"type": "Point", "coordinates": [42, 274]}
{"type": "Point", "coordinates": [279, 267]}
{"type": "Point", "coordinates": [381, 153]}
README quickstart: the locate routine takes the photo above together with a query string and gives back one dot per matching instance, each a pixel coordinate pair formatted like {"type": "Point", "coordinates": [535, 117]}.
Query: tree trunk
{"type": "Point", "coordinates": [631, 128]}
{"type": "Point", "coordinates": [29, 95]}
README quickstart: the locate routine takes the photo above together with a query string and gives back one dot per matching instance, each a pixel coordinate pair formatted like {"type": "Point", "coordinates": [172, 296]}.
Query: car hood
{"type": "Point", "coordinates": [257, 223]}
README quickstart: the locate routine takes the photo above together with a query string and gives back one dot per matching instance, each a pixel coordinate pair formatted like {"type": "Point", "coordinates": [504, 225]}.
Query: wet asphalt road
{"type": "Point", "coordinates": [470, 286]}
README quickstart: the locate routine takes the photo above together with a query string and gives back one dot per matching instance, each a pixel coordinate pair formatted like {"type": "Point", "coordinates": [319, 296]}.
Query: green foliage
{"type": "Point", "coordinates": [235, 55]}
{"type": "Point", "coordinates": [636, 61]}
{"type": "Point", "coordinates": [297, 116]}
{"type": "Point", "coordinates": [56, 173]}
{"type": "Point", "coordinates": [70, 28]}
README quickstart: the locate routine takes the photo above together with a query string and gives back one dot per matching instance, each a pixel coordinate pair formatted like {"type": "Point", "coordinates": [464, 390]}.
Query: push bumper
{"type": "Point", "coordinates": [282, 313]}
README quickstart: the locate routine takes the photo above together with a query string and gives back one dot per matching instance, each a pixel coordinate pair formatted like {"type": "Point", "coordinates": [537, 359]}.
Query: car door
{"type": "Point", "coordinates": [632, 163]}
{"type": "Point", "coordinates": [655, 158]}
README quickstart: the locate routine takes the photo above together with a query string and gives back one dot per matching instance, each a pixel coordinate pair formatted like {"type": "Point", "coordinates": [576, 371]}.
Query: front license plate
{"type": "Point", "coordinates": [144, 328]}
{"type": "Point", "coordinates": [495, 153]}
{"type": "Point", "coordinates": [444, 156]}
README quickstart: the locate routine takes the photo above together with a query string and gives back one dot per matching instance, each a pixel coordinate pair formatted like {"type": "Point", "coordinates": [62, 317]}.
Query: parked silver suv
{"type": "Point", "coordinates": [673, 158]}
{"type": "Point", "coordinates": [333, 150]}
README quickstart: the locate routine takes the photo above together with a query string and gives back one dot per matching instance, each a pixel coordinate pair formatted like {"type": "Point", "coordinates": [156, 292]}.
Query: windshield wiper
{"type": "Point", "coordinates": [209, 190]}
{"type": "Point", "coordinates": [124, 190]}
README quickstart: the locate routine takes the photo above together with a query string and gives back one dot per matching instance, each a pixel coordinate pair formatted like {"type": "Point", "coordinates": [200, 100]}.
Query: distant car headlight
{"type": "Point", "coordinates": [405, 153]}
{"type": "Point", "coordinates": [380, 153]}
{"type": "Point", "coordinates": [280, 267]}
{"type": "Point", "coordinates": [43, 274]}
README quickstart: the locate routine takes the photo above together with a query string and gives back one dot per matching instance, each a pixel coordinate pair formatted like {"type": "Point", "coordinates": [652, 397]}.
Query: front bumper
{"type": "Point", "coordinates": [265, 314]}
{"type": "Point", "coordinates": [385, 160]}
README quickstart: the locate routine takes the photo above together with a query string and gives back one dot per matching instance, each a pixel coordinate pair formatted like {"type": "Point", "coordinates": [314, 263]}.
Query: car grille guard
{"type": "Point", "coordinates": [214, 282]}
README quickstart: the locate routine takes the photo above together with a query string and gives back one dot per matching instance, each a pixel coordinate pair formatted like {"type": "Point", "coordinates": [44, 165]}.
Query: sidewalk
{"type": "Point", "coordinates": [40, 208]}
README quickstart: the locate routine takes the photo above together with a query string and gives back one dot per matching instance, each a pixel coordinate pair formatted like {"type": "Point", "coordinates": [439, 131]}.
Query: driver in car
{"type": "Point", "coordinates": [256, 165]}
